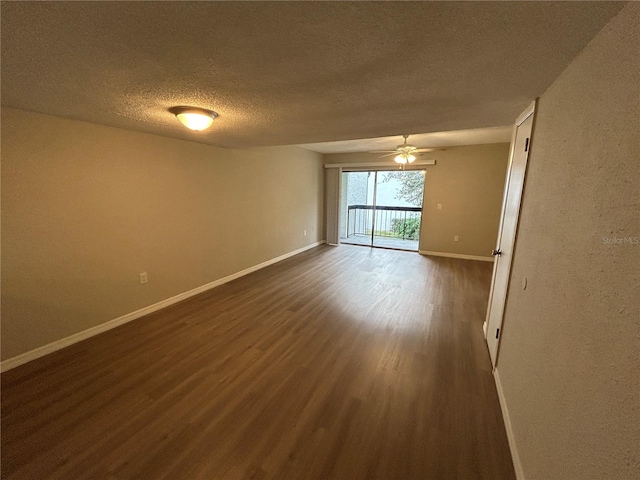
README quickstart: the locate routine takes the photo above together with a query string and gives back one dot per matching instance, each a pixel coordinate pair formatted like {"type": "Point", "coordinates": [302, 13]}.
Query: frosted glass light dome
{"type": "Point", "coordinates": [194, 118]}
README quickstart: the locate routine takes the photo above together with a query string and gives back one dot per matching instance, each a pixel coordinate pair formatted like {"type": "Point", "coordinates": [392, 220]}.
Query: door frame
{"type": "Point", "coordinates": [528, 112]}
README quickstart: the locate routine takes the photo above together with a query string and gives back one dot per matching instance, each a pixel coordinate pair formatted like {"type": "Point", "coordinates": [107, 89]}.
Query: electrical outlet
{"type": "Point", "coordinates": [455, 238]}
{"type": "Point", "coordinates": [439, 206]}
{"type": "Point", "coordinates": [305, 233]}
{"type": "Point", "coordinates": [143, 278]}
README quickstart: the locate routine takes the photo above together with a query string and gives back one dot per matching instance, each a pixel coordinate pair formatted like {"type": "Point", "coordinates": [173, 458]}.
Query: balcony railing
{"type": "Point", "coordinates": [391, 222]}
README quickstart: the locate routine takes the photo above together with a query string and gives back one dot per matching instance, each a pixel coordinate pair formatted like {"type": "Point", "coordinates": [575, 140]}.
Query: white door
{"type": "Point", "coordinates": [520, 146]}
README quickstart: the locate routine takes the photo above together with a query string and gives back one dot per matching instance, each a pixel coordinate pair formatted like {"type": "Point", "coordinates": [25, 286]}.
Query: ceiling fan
{"type": "Point", "coordinates": [405, 153]}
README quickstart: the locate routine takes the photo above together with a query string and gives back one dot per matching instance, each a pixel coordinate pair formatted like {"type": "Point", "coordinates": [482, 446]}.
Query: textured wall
{"type": "Point", "coordinates": [86, 208]}
{"type": "Point", "coordinates": [569, 360]}
{"type": "Point", "coordinates": [469, 183]}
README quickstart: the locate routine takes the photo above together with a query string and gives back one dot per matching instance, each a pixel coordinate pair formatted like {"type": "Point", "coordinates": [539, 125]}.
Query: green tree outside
{"type": "Point", "coordinates": [411, 185]}
{"type": "Point", "coordinates": [411, 190]}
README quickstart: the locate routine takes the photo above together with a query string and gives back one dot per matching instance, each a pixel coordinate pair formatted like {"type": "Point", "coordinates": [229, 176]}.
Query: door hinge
{"type": "Point", "coordinates": [526, 145]}
{"type": "Point", "coordinates": [497, 332]}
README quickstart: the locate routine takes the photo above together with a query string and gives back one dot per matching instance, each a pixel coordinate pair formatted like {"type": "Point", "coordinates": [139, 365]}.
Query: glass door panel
{"type": "Point", "coordinates": [398, 209]}
{"type": "Point", "coordinates": [357, 204]}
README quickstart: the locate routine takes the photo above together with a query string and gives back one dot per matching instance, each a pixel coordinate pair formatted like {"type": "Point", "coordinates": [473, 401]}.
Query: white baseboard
{"type": "Point", "coordinates": [103, 327]}
{"type": "Point", "coordinates": [507, 425]}
{"type": "Point", "coordinates": [456, 255]}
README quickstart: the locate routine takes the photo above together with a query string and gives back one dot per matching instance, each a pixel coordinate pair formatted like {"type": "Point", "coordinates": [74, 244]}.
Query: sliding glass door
{"type": "Point", "coordinates": [382, 208]}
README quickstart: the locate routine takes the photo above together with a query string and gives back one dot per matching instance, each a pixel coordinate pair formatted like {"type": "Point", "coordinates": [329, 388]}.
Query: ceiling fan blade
{"type": "Point", "coordinates": [388, 154]}
{"type": "Point", "coordinates": [383, 151]}
{"type": "Point", "coordinates": [422, 150]}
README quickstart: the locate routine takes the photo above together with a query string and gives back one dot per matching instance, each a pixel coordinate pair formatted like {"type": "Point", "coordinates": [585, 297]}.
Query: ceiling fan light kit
{"type": "Point", "coordinates": [405, 152]}
{"type": "Point", "coordinates": [404, 158]}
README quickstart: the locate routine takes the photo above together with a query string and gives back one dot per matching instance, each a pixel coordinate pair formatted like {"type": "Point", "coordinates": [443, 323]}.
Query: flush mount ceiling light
{"type": "Point", "coordinates": [194, 118]}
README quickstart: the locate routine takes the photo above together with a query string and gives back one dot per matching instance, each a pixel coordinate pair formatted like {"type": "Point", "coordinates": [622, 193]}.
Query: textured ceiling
{"type": "Point", "coordinates": [290, 72]}
{"type": "Point", "coordinates": [456, 138]}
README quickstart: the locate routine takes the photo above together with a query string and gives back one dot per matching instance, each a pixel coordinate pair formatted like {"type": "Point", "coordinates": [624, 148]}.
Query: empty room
{"type": "Point", "coordinates": [320, 240]}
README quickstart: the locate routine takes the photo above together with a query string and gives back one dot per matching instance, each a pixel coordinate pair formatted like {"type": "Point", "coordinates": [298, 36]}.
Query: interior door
{"type": "Point", "coordinates": [520, 146]}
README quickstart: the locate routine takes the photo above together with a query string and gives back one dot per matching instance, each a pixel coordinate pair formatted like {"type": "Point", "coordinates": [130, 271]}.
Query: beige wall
{"type": "Point", "coordinates": [569, 358]}
{"type": "Point", "coordinates": [86, 208]}
{"type": "Point", "coordinates": [469, 183]}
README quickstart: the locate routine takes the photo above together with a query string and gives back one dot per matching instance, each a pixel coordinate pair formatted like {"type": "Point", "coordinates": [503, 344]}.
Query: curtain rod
{"type": "Point", "coordinates": [378, 165]}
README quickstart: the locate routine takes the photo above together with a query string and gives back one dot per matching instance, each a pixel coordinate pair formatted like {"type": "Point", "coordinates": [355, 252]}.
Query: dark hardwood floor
{"type": "Point", "coordinates": [339, 363]}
